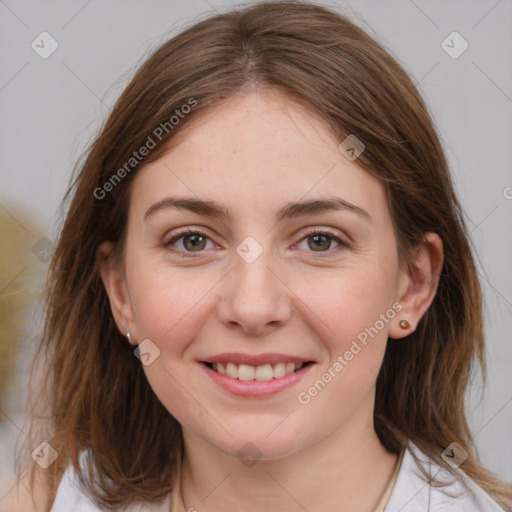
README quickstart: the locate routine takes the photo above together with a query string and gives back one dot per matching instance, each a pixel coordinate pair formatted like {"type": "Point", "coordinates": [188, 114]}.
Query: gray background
{"type": "Point", "coordinates": [50, 108]}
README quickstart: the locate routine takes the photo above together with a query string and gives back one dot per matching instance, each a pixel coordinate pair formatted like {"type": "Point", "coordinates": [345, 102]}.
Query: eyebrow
{"type": "Point", "coordinates": [289, 211]}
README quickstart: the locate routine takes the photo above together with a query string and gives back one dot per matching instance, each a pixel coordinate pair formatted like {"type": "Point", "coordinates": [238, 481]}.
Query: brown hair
{"type": "Point", "coordinates": [99, 398]}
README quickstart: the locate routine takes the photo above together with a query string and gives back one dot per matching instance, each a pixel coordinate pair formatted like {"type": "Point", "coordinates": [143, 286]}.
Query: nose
{"type": "Point", "coordinates": [254, 297]}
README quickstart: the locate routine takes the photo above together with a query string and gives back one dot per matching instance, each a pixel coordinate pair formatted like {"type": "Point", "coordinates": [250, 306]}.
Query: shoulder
{"type": "Point", "coordinates": [70, 496]}
{"type": "Point", "coordinates": [411, 493]}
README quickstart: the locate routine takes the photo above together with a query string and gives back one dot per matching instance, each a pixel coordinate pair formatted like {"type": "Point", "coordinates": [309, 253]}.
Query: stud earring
{"type": "Point", "coordinates": [129, 337]}
{"type": "Point", "coordinates": [404, 324]}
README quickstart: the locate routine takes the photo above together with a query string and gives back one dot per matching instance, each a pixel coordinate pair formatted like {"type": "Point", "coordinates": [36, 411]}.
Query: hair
{"type": "Point", "coordinates": [98, 398]}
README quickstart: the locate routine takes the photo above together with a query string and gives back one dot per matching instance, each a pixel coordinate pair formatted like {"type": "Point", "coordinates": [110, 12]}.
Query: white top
{"type": "Point", "coordinates": [410, 492]}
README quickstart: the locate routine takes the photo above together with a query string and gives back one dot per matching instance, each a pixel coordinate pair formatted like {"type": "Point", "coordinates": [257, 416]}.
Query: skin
{"type": "Point", "coordinates": [255, 153]}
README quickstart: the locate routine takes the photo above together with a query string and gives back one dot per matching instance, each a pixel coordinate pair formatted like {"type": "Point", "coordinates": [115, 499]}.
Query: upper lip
{"type": "Point", "coordinates": [254, 360]}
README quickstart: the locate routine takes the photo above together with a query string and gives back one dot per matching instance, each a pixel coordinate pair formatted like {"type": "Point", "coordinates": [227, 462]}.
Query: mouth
{"type": "Point", "coordinates": [265, 372]}
{"type": "Point", "coordinates": [256, 376]}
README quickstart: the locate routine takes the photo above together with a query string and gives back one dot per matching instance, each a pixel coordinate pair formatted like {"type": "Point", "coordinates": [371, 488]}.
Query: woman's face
{"type": "Point", "coordinates": [256, 287]}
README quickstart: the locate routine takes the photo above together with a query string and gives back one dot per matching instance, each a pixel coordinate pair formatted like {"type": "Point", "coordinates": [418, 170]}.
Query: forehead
{"type": "Point", "coordinates": [260, 126]}
{"type": "Point", "coordinates": [256, 152]}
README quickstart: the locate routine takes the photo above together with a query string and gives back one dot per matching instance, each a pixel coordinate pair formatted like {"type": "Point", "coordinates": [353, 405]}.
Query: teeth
{"type": "Point", "coordinates": [263, 372]}
{"type": "Point", "coordinates": [279, 370]}
{"type": "Point", "coordinates": [248, 372]}
{"type": "Point", "coordinates": [231, 370]}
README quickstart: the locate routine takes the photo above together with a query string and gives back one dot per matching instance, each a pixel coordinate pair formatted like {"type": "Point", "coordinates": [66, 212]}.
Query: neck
{"type": "Point", "coordinates": [349, 470]}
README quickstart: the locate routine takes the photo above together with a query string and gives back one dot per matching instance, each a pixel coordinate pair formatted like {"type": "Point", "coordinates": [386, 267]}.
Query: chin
{"type": "Point", "coordinates": [263, 443]}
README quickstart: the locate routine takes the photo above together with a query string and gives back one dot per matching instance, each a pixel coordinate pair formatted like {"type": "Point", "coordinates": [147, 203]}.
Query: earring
{"type": "Point", "coordinates": [129, 337]}
{"type": "Point", "coordinates": [404, 324]}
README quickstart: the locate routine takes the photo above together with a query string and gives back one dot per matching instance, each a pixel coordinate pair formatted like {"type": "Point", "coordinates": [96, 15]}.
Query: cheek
{"type": "Point", "coordinates": [166, 301]}
{"type": "Point", "coordinates": [169, 309]}
{"type": "Point", "coordinates": [353, 321]}
{"type": "Point", "coordinates": [349, 301]}
{"type": "Point", "coordinates": [352, 311]}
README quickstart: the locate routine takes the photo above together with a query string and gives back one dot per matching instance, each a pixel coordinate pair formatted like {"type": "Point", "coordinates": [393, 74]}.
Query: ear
{"type": "Point", "coordinates": [418, 284]}
{"type": "Point", "coordinates": [114, 281]}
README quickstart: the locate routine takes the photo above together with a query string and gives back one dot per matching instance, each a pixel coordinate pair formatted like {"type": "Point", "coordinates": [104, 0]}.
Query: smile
{"type": "Point", "coordinates": [247, 372]}
{"type": "Point", "coordinates": [262, 379]}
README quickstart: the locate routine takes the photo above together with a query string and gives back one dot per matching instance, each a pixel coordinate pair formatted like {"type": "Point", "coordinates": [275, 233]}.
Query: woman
{"type": "Point", "coordinates": [263, 294]}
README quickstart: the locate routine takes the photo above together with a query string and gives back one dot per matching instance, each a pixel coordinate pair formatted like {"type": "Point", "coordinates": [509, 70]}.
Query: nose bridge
{"type": "Point", "coordinates": [253, 296]}
{"type": "Point", "coordinates": [254, 278]}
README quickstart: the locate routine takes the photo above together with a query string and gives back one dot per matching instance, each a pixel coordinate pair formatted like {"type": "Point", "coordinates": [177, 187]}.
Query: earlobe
{"type": "Point", "coordinates": [114, 282]}
{"type": "Point", "coordinates": [418, 285]}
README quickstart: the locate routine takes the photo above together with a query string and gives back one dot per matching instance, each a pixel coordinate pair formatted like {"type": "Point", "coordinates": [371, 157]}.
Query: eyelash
{"type": "Point", "coordinates": [309, 234]}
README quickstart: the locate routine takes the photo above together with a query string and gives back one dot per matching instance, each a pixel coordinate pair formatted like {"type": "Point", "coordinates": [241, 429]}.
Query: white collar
{"type": "Point", "coordinates": [411, 493]}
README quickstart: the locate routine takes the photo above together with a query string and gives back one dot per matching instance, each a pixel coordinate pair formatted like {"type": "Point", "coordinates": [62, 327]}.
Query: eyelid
{"type": "Point", "coordinates": [189, 230]}
{"type": "Point", "coordinates": [323, 230]}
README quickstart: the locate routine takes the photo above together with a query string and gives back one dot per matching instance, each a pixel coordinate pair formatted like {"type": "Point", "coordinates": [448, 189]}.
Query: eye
{"type": "Point", "coordinates": [321, 241]}
{"type": "Point", "coordinates": [190, 241]}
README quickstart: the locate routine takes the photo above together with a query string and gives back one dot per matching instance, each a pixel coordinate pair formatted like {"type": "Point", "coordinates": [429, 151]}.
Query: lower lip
{"type": "Point", "coordinates": [257, 388]}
